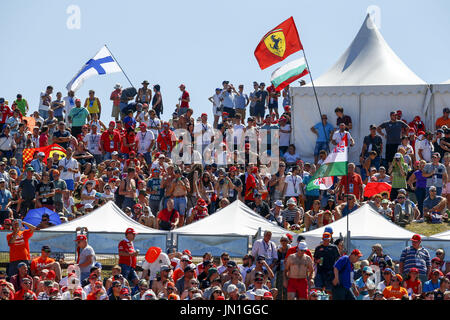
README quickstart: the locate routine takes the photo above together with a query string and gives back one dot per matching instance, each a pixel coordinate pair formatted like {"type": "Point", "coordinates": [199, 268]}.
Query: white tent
{"type": "Point", "coordinates": [227, 230]}
{"type": "Point", "coordinates": [442, 236]}
{"type": "Point", "coordinates": [367, 227]}
{"type": "Point", "coordinates": [107, 218]}
{"type": "Point", "coordinates": [369, 80]}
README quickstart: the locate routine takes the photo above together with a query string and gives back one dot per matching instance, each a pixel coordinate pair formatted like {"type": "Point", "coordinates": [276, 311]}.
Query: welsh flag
{"type": "Point", "coordinates": [334, 165]}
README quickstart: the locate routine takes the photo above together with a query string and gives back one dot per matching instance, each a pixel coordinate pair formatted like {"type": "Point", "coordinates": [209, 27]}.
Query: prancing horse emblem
{"type": "Point", "coordinates": [275, 42]}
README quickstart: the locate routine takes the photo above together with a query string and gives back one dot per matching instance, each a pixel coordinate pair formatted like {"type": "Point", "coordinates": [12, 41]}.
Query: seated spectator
{"type": "Point", "coordinates": [395, 291]}
{"type": "Point", "coordinates": [434, 207]}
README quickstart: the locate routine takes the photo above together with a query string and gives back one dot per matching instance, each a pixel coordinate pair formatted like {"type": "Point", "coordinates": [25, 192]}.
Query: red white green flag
{"type": "Point", "coordinates": [288, 73]}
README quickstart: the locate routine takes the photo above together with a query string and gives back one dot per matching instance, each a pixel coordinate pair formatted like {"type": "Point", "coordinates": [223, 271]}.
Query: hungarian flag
{"type": "Point", "coordinates": [288, 73]}
{"type": "Point", "coordinates": [334, 165]}
{"type": "Point", "coordinates": [28, 154]}
{"type": "Point", "coordinates": [278, 44]}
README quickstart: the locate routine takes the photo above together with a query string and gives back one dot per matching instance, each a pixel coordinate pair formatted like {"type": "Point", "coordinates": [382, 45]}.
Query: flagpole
{"type": "Point", "coordinates": [119, 66]}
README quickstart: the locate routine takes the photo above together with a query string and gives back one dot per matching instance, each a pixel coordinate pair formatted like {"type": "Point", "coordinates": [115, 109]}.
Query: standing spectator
{"type": "Point", "coordinates": [425, 147]}
{"type": "Point", "coordinates": [340, 134]}
{"type": "Point", "coordinates": [342, 118]}
{"type": "Point", "coordinates": [216, 100]}
{"type": "Point", "coordinates": [7, 143]}
{"type": "Point", "coordinates": [415, 256]}
{"type": "Point", "coordinates": [324, 132]}
{"type": "Point", "coordinates": [273, 100]}
{"type": "Point", "coordinates": [45, 101]}
{"type": "Point", "coordinates": [92, 104]}
{"type": "Point", "coordinates": [436, 174]}
{"type": "Point", "coordinates": [393, 130]}
{"type": "Point", "coordinates": [62, 137]}
{"type": "Point", "coordinates": [203, 133]}
{"type": "Point", "coordinates": [85, 256]}
{"type": "Point", "coordinates": [261, 97]}
{"type": "Point", "coordinates": [115, 98]}
{"type": "Point", "coordinates": [157, 102]}
{"type": "Point", "coordinates": [343, 282]}
{"type": "Point", "coordinates": [68, 167]}
{"type": "Point", "coordinates": [78, 117]}
{"type": "Point", "coordinates": [128, 256]}
{"type": "Point", "coordinates": [351, 183]}
{"type": "Point", "coordinates": [19, 248]}
{"type": "Point", "coordinates": [5, 112]}
{"type": "Point", "coordinates": [21, 104]}
{"type": "Point", "coordinates": [110, 141]}
{"type": "Point", "coordinates": [58, 106]}
{"type": "Point", "coordinates": [166, 139]}
{"type": "Point", "coordinates": [444, 120]}
{"type": "Point", "coordinates": [398, 170]}
{"type": "Point", "coordinates": [372, 142]}
{"type": "Point", "coordinates": [69, 104]}
{"type": "Point", "coordinates": [298, 273]}
{"type": "Point", "coordinates": [293, 184]}
{"type": "Point", "coordinates": [240, 102]}
{"type": "Point", "coordinates": [92, 141]}
{"type": "Point", "coordinates": [419, 189]}
{"type": "Point", "coordinates": [27, 191]}
{"type": "Point", "coordinates": [183, 100]}
{"type": "Point", "coordinates": [253, 99]}
{"type": "Point", "coordinates": [145, 141]}
{"type": "Point", "coordinates": [144, 94]}
{"type": "Point", "coordinates": [325, 256]}
{"type": "Point", "coordinates": [286, 96]}
{"type": "Point", "coordinates": [266, 248]}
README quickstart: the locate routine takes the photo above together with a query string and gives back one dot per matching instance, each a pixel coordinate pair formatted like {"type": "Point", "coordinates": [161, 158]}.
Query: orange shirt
{"type": "Point", "coordinates": [398, 293]}
{"type": "Point", "coordinates": [39, 262]}
{"type": "Point", "coordinates": [442, 122]}
{"type": "Point", "coordinates": [20, 248]}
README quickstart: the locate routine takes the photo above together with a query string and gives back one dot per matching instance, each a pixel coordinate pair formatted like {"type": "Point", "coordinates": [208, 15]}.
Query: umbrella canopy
{"type": "Point", "coordinates": [34, 216]}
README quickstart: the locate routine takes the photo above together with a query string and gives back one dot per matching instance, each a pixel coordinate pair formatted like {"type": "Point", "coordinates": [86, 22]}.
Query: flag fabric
{"type": "Point", "coordinates": [101, 63]}
{"type": "Point", "coordinates": [28, 154]}
{"type": "Point", "coordinates": [373, 188]}
{"type": "Point", "coordinates": [288, 73]}
{"type": "Point", "coordinates": [278, 44]}
{"type": "Point", "coordinates": [31, 123]}
{"type": "Point", "coordinates": [334, 165]}
{"type": "Point", "coordinates": [323, 183]}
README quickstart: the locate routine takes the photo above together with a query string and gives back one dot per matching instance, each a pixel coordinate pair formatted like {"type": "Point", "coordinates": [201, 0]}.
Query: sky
{"type": "Point", "coordinates": [199, 43]}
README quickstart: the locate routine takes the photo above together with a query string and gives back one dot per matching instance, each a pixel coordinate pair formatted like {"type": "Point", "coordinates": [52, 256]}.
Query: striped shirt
{"type": "Point", "coordinates": [413, 258]}
{"type": "Point", "coordinates": [289, 215]}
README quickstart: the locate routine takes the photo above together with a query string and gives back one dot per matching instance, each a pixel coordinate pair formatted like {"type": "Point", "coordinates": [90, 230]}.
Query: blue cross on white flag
{"type": "Point", "coordinates": [102, 63]}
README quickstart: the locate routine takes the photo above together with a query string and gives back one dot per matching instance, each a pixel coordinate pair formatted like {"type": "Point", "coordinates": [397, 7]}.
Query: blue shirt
{"type": "Point", "coordinates": [430, 286]}
{"type": "Point", "coordinates": [227, 99]}
{"type": "Point", "coordinates": [328, 129]}
{"type": "Point", "coordinates": [37, 165]}
{"type": "Point", "coordinates": [239, 101]}
{"type": "Point", "coordinates": [155, 185]}
{"type": "Point", "coordinates": [413, 258]}
{"type": "Point", "coordinates": [345, 268]}
{"type": "Point", "coordinates": [360, 284]}
{"type": "Point", "coordinates": [5, 195]}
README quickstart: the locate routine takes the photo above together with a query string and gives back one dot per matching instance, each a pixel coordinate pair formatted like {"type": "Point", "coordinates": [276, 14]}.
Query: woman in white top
{"type": "Point", "coordinates": [88, 193]}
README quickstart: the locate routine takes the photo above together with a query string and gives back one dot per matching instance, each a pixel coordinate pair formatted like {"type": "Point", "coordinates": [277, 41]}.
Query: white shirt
{"type": "Point", "coordinates": [92, 142]}
{"type": "Point", "coordinates": [66, 164]}
{"type": "Point", "coordinates": [427, 149]}
{"type": "Point", "coordinates": [203, 137]}
{"type": "Point", "coordinates": [293, 188]}
{"type": "Point", "coordinates": [155, 267]}
{"type": "Point", "coordinates": [338, 136]}
{"type": "Point", "coordinates": [261, 248]}
{"type": "Point", "coordinates": [238, 131]}
{"type": "Point", "coordinates": [145, 139]}
{"type": "Point", "coordinates": [285, 137]}
{"type": "Point", "coordinates": [41, 105]}
{"type": "Point", "coordinates": [153, 124]}
{"type": "Point", "coordinates": [69, 103]}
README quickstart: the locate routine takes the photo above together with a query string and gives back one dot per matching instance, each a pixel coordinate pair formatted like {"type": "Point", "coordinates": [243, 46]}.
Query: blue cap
{"type": "Point", "coordinates": [218, 89]}
{"type": "Point", "coordinates": [390, 270]}
{"type": "Point", "coordinates": [368, 269]}
{"type": "Point", "coordinates": [329, 229]}
{"type": "Point", "coordinates": [98, 265]}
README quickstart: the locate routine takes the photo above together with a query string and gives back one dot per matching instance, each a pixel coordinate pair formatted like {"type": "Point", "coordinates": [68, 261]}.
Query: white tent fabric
{"type": "Point", "coordinates": [442, 236]}
{"type": "Point", "coordinates": [368, 81]}
{"type": "Point", "coordinates": [367, 227]}
{"type": "Point", "coordinates": [368, 61]}
{"type": "Point", "coordinates": [108, 218]}
{"type": "Point", "coordinates": [446, 82]}
{"type": "Point", "coordinates": [235, 219]}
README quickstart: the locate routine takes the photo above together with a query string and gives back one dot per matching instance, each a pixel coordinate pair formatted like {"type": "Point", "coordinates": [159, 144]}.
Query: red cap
{"type": "Point", "coordinates": [287, 108]}
{"type": "Point", "coordinates": [170, 284]}
{"type": "Point", "coordinates": [77, 100]}
{"type": "Point", "coordinates": [201, 203]}
{"type": "Point", "coordinates": [436, 259]}
{"type": "Point", "coordinates": [225, 114]}
{"type": "Point", "coordinates": [131, 230]}
{"type": "Point", "coordinates": [399, 277]}
{"type": "Point", "coordinates": [414, 270]}
{"type": "Point", "coordinates": [289, 236]}
{"type": "Point", "coordinates": [112, 123]}
{"type": "Point", "coordinates": [143, 125]}
{"type": "Point", "coordinates": [416, 237]}
{"type": "Point", "coordinates": [204, 114]}
{"type": "Point", "coordinates": [233, 168]}
{"type": "Point", "coordinates": [51, 275]}
{"type": "Point", "coordinates": [53, 290]}
{"type": "Point", "coordinates": [181, 85]}
{"type": "Point", "coordinates": [268, 294]}
{"type": "Point", "coordinates": [247, 146]}
{"type": "Point", "coordinates": [283, 118]}
{"type": "Point", "coordinates": [399, 111]}
{"type": "Point", "coordinates": [220, 298]}
{"type": "Point", "coordinates": [78, 291]}
{"type": "Point", "coordinates": [254, 170]}
{"type": "Point", "coordinates": [326, 235]}
{"type": "Point", "coordinates": [6, 221]}
{"type": "Point", "coordinates": [420, 132]}
{"type": "Point", "coordinates": [357, 253]}
{"type": "Point", "coordinates": [81, 237]}
{"type": "Point", "coordinates": [124, 291]}
{"type": "Point", "coordinates": [187, 252]}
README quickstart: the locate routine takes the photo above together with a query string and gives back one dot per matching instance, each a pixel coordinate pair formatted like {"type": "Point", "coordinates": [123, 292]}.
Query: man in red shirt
{"type": "Point", "coordinates": [109, 141]}
{"type": "Point", "coordinates": [45, 262]}
{"type": "Point", "coordinates": [25, 288]}
{"type": "Point", "coordinates": [127, 256]}
{"type": "Point", "coordinates": [184, 100]}
{"type": "Point", "coordinates": [5, 112]}
{"type": "Point", "coordinates": [168, 218]}
{"type": "Point", "coordinates": [251, 185]}
{"type": "Point", "coordinates": [166, 139]}
{"type": "Point", "coordinates": [115, 98]}
{"type": "Point", "coordinates": [352, 183]}
{"type": "Point", "coordinates": [19, 248]}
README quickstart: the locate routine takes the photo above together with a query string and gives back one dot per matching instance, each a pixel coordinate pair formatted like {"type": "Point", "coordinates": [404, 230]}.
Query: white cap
{"type": "Point", "coordinates": [398, 155]}
{"type": "Point", "coordinates": [279, 203]}
{"type": "Point", "coordinates": [117, 86]}
{"type": "Point", "coordinates": [302, 245]}
{"type": "Point", "coordinates": [291, 201]}
{"type": "Point", "coordinates": [231, 288]}
{"type": "Point", "coordinates": [260, 292]}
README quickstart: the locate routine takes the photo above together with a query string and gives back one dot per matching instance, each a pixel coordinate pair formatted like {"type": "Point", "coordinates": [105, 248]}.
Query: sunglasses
{"type": "Point", "coordinates": [395, 280]}
{"type": "Point", "coordinates": [169, 288]}
{"type": "Point", "coordinates": [226, 259]}
{"type": "Point", "coordinates": [116, 286]}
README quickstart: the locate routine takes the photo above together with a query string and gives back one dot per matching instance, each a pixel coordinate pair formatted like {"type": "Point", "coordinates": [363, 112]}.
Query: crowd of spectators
{"type": "Point", "coordinates": [165, 174]}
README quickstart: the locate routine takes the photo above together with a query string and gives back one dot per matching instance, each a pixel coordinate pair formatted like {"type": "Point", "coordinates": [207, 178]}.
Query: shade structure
{"type": "Point", "coordinates": [34, 216]}
{"type": "Point", "coordinates": [367, 227]}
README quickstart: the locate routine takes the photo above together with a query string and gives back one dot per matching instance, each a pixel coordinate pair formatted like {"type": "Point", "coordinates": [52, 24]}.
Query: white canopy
{"type": "Point", "coordinates": [367, 227]}
{"type": "Point", "coordinates": [368, 61]}
{"type": "Point", "coordinates": [235, 219]}
{"type": "Point", "coordinates": [442, 236]}
{"type": "Point", "coordinates": [446, 82]}
{"type": "Point", "coordinates": [107, 218]}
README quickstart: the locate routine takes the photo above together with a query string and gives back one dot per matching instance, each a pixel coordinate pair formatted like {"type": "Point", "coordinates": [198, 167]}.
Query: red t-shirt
{"type": "Point", "coordinates": [5, 112]}
{"type": "Point", "coordinates": [414, 285]}
{"type": "Point", "coordinates": [250, 186]}
{"type": "Point", "coordinates": [19, 294]}
{"type": "Point", "coordinates": [271, 89]}
{"type": "Point", "coordinates": [43, 140]}
{"type": "Point", "coordinates": [110, 141]}
{"type": "Point", "coordinates": [127, 246]}
{"type": "Point", "coordinates": [166, 140]}
{"type": "Point", "coordinates": [20, 248]}
{"type": "Point", "coordinates": [129, 139]}
{"type": "Point", "coordinates": [164, 215]}
{"type": "Point", "coordinates": [184, 104]}
{"type": "Point", "coordinates": [115, 96]}
{"type": "Point", "coordinates": [354, 184]}
{"type": "Point", "coordinates": [39, 262]}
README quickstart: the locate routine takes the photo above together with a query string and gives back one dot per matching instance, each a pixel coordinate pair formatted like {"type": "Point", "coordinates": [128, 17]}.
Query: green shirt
{"type": "Point", "coordinates": [22, 106]}
{"type": "Point", "coordinates": [78, 116]}
{"type": "Point", "coordinates": [399, 181]}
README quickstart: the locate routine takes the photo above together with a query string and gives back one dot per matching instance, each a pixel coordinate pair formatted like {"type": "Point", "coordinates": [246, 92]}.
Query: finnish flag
{"type": "Point", "coordinates": [102, 63]}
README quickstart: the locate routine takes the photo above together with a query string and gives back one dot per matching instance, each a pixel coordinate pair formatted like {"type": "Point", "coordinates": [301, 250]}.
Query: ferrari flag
{"type": "Point", "coordinates": [28, 154]}
{"type": "Point", "coordinates": [278, 44]}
